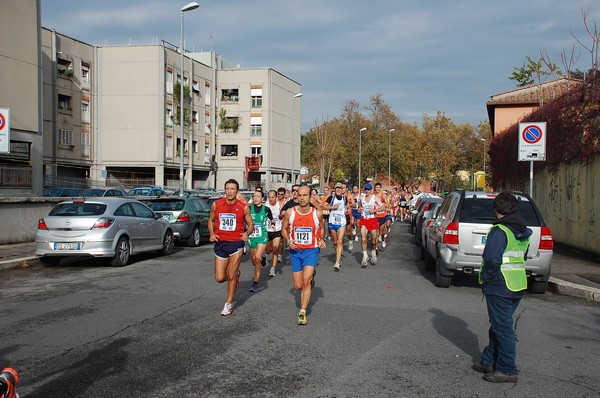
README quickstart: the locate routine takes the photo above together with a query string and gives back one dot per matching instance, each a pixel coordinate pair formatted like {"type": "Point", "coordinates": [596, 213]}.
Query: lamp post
{"type": "Point", "coordinates": [293, 148]}
{"type": "Point", "coordinates": [390, 158]}
{"type": "Point", "coordinates": [360, 156]}
{"type": "Point", "coordinates": [188, 7]}
{"type": "Point", "coordinates": [484, 142]}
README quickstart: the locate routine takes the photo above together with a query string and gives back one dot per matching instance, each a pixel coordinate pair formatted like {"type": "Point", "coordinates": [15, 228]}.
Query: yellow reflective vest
{"type": "Point", "coordinates": [513, 261]}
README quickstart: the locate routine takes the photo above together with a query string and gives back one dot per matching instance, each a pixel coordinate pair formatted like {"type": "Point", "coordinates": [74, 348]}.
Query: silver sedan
{"type": "Point", "coordinates": [112, 228]}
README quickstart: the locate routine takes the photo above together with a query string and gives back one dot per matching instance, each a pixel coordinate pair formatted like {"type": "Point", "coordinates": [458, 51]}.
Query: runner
{"type": "Point", "coordinates": [324, 197]}
{"type": "Point", "coordinates": [337, 204]}
{"type": "Point", "coordinates": [226, 228]}
{"type": "Point", "coordinates": [281, 200]}
{"type": "Point", "coordinates": [262, 219]}
{"type": "Point", "coordinates": [315, 200]}
{"type": "Point", "coordinates": [369, 224]}
{"type": "Point", "coordinates": [381, 214]}
{"type": "Point", "coordinates": [301, 227]}
{"type": "Point", "coordinates": [274, 231]}
{"type": "Point", "coordinates": [403, 206]}
{"type": "Point", "coordinates": [348, 215]}
{"type": "Point", "coordinates": [356, 195]}
{"type": "Point", "coordinates": [395, 204]}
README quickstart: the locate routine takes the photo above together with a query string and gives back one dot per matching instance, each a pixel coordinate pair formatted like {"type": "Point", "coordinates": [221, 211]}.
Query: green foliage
{"type": "Point", "coordinates": [533, 71]}
{"type": "Point", "coordinates": [187, 101]}
{"type": "Point", "coordinates": [228, 124]}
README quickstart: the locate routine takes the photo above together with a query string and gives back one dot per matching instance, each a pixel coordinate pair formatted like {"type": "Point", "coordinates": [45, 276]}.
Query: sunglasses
{"type": "Point", "coordinates": [294, 190]}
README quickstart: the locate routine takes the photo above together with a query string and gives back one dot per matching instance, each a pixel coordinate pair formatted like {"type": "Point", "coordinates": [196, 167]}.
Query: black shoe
{"type": "Point", "coordinates": [263, 261]}
{"type": "Point", "coordinates": [478, 367]}
{"type": "Point", "coordinates": [498, 377]}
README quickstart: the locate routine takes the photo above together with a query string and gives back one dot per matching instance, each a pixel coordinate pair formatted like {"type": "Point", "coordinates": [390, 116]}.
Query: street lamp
{"type": "Point", "coordinates": [390, 158]}
{"type": "Point", "coordinates": [484, 142]}
{"type": "Point", "coordinates": [293, 115]}
{"type": "Point", "coordinates": [188, 7]}
{"type": "Point", "coordinates": [360, 156]}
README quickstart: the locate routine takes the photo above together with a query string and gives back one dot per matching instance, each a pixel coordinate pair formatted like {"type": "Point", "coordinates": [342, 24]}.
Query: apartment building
{"type": "Point", "coordinates": [110, 115]}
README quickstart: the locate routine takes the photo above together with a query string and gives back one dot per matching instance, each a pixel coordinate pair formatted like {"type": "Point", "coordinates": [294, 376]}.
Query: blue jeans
{"type": "Point", "coordinates": [501, 351]}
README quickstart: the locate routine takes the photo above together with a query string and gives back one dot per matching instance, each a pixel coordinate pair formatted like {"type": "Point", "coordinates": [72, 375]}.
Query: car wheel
{"type": "Point", "coordinates": [441, 280]}
{"type": "Point", "coordinates": [122, 254]}
{"type": "Point", "coordinates": [537, 287]}
{"type": "Point", "coordinates": [50, 261]}
{"type": "Point", "coordinates": [168, 243]}
{"type": "Point", "coordinates": [194, 239]}
{"type": "Point", "coordinates": [429, 261]}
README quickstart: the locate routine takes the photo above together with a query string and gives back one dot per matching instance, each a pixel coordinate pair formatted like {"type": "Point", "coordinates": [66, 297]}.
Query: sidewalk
{"type": "Point", "coordinates": [574, 273]}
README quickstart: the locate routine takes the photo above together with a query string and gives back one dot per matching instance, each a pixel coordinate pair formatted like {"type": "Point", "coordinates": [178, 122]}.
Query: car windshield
{"type": "Point", "coordinates": [78, 209]}
{"type": "Point", "coordinates": [138, 192]}
{"type": "Point", "coordinates": [93, 192]}
{"type": "Point", "coordinates": [481, 211]}
{"type": "Point", "coordinates": [167, 205]}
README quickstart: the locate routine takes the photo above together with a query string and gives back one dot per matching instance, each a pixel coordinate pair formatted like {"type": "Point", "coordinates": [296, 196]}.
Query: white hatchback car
{"type": "Point", "coordinates": [112, 228]}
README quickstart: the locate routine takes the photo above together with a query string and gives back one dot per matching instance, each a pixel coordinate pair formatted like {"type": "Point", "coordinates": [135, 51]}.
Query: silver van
{"type": "Point", "coordinates": [456, 237]}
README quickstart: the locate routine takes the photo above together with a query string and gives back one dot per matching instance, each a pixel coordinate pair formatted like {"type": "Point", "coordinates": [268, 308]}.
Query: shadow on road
{"type": "Point", "coordinates": [456, 331]}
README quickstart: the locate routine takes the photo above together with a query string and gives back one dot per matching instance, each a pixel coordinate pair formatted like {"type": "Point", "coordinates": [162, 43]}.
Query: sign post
{"type": "Point", "coordinates": [532, 146]}
{"type": "Point", "coordinates": [4, 130]}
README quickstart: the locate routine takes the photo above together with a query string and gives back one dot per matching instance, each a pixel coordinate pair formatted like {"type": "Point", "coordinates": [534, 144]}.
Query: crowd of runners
{"type": "Point", "coordinates": [303, 222]}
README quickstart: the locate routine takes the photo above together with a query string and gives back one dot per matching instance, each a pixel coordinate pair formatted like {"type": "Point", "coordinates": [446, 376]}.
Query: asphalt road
{"type": "Point", "coordinates": [153, 329]}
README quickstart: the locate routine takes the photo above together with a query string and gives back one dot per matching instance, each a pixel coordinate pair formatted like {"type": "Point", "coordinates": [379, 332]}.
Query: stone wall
{"type": "Point", "coordinates": [20, 217]}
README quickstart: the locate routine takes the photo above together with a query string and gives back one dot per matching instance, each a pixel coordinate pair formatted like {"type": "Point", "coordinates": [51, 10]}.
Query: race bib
{"type": "Point", "coordinates": [257, 233]}
{"type": "Point", "coordinates": [337, 219]}
{"type": "Point", "coordinates": [367, 211]}
{"type": "Point", "coordinates": [227, 222]}
{"type": "Point", "coordinates": [303, 235]}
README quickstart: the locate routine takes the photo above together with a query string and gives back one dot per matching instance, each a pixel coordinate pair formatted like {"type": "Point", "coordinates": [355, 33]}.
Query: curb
{"type": "Point", "coordinates": [561, 287]}
{"type": "Point", "coordinates": [23, 262]}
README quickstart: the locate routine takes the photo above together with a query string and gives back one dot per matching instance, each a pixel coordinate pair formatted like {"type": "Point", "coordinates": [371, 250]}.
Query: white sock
{"type": "Point", "coordinates": [374, 253]}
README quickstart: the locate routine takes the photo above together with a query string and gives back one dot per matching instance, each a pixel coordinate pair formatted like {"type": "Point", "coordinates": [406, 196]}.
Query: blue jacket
{"type": "Point", "coordinates": [493, 280]}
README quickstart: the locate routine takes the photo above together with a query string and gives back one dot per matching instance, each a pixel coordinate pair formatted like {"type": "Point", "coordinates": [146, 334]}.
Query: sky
{"type": "Point", "coordinates": [422, 56]}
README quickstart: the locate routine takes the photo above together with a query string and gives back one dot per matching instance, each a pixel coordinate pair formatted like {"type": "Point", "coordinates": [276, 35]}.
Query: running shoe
{"type": "Point", "coordinates": [356, 238]}
{"type": "Point", "coordinates": [237, 279]}
{"type": "Point", "coordinates": [374, 260]}
{"type": "Point", "coordinates": [379, 238]}
{"type": "Point", "coordinates": [302, 318]}
{"type": "Point", "coordinates": [312, 281]}
{"type": "Point", "coordinates": [272, 272]}
{"type": "Point", "coordinates": [263, 260]}
{"type": "Point", "coordinates": [383, 244]}
{"type": "Point", "coordinates": [245, 249]}
{"type": "Point", "coordinates": [350, 245]}
{"type": "Point", "coordinates": [227, 310]}
{"type": "Point", "coordinates": [254, 288]}
{"type": "Point", "coordinates": [336, 266]}
{"type": "Point", "coordinates": [279, 259]}
{"type": "Point", "coordinates": [365, 261]}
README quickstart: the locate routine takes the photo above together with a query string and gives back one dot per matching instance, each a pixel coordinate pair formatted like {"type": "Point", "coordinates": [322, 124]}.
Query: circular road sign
{"type": "Point", "coordinates": [2, 121]}
{"type": "Point", "coordinates": [532, 134]}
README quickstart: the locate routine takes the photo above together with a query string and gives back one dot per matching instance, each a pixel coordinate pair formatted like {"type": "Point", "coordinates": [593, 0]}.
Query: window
{"type": "Point", "coordinates": [230, 94]}
{"type": "Point", "coordinates": [207, 94]}
{"type": "Point", "coordinates": [229, 150]}
{"type": "Point", "coordinates": [85, 112]}
{"type": "Point", "coordinates": [169, 82]}
{"type": "Point", "coordinates": [256, 96]}
{"type": "Point", "coordinates": [184, 147]}
{"type": "Point", "coordinates": [255, 125]}
{"type": "Point", "coordinates": [169, 116]}
{"type": "Point", "coordinates": [64, 102]}
{"type": "Point", "coordinates": [255, 150]}
{"type": "Point", "coordinates": [85, 77]}
{"type": "Point", "coordinates": [196, 87]}
{"type": "Point", "coordinates": [169, 148]}
{"type": "Point", "coordinates": [195, 146]}
{"type": "Point", "coordinates": [85, 144]}
{"type": "Point", "coordinates": [65, 137]}
{"type": "Point", "coordinates": [194, 116]}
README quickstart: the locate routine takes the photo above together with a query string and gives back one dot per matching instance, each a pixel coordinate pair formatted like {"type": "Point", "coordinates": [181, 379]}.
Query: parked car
{"type": "Point", "coordinates": [457, 237]}
{"type": "Point", "coordinates": [187, 215]}
{"type": "Point", "coordinates": [419, 218]}
{"type": "Point", "coordinates": [146, 191]}
{"type": "Point", "coordinates": [428, 218]}
{"type": "Point", "coordinates": [419, 205]}
{"type": "Point", "coordinates": [102, 192]}
{"type": "Point", "coordinates": [112, 228]}
{"type": "Point", "coordinates": [62, 192]}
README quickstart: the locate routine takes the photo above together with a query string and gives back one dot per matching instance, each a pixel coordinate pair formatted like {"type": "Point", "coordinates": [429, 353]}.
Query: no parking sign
{"type": "Point", "coordinates": [4, 130]}
{"type": "Point", "coordinates": [532, 141]}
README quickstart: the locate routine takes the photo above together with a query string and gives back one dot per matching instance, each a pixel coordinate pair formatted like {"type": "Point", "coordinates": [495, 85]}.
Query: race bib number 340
{"type": "Point", "coordinates": [227, 222]}
{"type": "Point", "coordinates": [303, 235]}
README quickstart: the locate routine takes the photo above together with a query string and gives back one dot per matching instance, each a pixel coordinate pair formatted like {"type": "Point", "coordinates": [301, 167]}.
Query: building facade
{"type": "Point", "coordinates": [109, 115]}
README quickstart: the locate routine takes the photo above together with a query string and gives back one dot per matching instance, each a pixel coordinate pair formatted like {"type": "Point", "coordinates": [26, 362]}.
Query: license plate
{"type": "Point", "coordinates": [67, 246]}
{"type": "Point", "coordinates": [483, 239]}
{"type": "Point", "coordinates": [166, 217]}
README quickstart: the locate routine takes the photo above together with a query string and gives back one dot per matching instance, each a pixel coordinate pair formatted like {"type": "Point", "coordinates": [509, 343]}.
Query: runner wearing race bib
{"type": "Point", "coordinates": [302, 225]}
{"type": "Point", "coordinates": [369, 224]}
{"type": "Point", "coordinates": [227, 221]}
{"type": "Point", "coordinates": [337, 206]}
{"type": "Point", "coordinates": [262, 218]}
{"type": "Point", "coordinates": [274, 230]}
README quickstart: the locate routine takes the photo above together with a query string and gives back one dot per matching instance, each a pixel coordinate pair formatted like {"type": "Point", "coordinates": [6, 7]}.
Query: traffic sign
{"type": "Point", "coordinates": [4, 130]}
{"type": "Point", "coordinates": [532, 141]}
